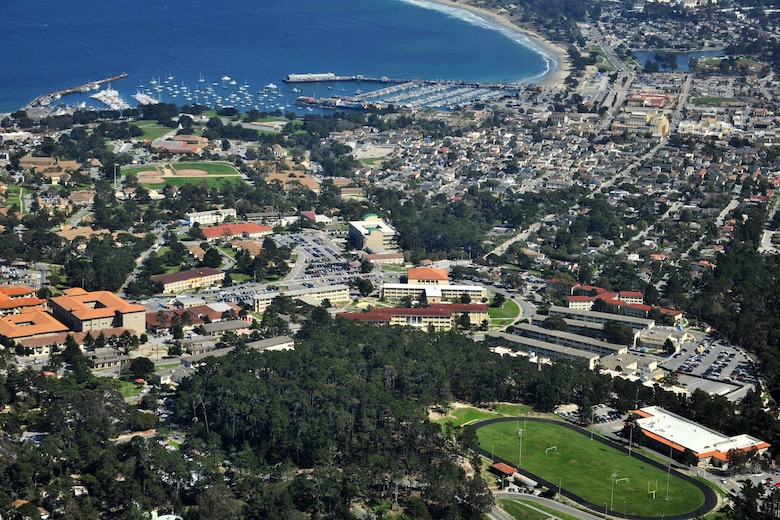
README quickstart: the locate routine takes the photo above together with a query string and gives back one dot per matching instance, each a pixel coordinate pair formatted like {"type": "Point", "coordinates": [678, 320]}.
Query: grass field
{"type": "Point", "coordinates": [461, 416]}
{"type": "Point", "coordinates": [128, 388]}
{"type": "Point", "coordinates": [709, 100]}
{"type": "Point", "coordinates": [587, 468]}
{"type": "Point", "coordinates": [211, 168]}
{"type": "Point", "coordinates": [211, 182]}
{"type": "Point", "coordinates": [14, 195]}
{"type": "Point", "coordinates": [509, 310]}
{"type": "Point", "coordinates": [526, 510]}
{"type": "Point", "coordinates": [152, 130]}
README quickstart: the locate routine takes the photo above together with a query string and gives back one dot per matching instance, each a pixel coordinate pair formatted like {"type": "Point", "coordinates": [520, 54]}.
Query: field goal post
{"type": "Point", "coordinates": [553, 448]}
{"type": "Point", "coordinates": [652, 491]}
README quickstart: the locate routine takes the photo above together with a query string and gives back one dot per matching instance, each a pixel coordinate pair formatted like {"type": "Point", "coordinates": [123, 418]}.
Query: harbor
{"type": "Point", "coordinates": [42, 102]}
{"type": "Point", "coordinates": [297, 91]}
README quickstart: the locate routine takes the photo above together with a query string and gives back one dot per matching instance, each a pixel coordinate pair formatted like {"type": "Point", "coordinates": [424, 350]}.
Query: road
{"type": "Point", "coordinates": [499, 514]}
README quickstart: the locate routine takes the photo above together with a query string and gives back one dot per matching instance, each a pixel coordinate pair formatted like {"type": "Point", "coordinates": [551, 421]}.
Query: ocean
{"type": "Point", "coordinates": [50, 45]}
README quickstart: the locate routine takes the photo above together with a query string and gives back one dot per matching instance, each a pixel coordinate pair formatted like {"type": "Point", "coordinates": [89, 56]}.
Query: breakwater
{"type": "Point", "coordinates": [44, 100]}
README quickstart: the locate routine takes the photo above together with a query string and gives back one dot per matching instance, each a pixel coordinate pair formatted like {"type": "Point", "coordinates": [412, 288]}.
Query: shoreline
{"type": "Point", "coordinates": [558, 58]}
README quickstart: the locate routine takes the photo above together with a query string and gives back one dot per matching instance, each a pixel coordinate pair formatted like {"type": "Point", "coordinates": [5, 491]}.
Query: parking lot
{"type": "Point", "coordinates": [714, 360]}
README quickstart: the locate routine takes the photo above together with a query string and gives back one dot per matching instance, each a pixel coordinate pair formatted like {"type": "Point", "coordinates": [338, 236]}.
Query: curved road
{"type": "Point", "coordinates": [710, 498]}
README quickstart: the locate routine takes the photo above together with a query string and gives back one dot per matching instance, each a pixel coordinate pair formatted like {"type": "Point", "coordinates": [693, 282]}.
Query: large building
{"type": "Point", "coordinates": [372, 234]}
{"type": "Point", "coordinates": [29, 323]}
{"type": "Point", "coordinates": [601, 317]}
{"type": "Point", "coordinates": [207, 218]}
{"type": "Point", "coordinates": [84, 311]}
{"type": "Point", "coordinates": [240, 230]}
{"type": "Point", "coordinates": [427, 276]}
{"type": "Point", "coordinates": [190, 279]}
{"type": "Point", "coordinates": [541, 349]}
{"type": "Point", "coordinates": [432, 293]}
{"type": "Point", "coordinates": [435, 317]}
{"type": "Point", "coordinates": [314, 296]}
{"type": "Point", "coordinates": [669, 431]}
{"type": "Point", "coordinates": [14, 298]}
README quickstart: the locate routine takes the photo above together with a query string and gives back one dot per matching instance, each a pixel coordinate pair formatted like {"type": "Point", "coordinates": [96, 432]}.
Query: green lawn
{"type": "Point", "coordinates": [135, 170]}
{"type": "Point", "coordinates": [509, 310]}
{"type": "Point", "coordinates": [525, 509]}
{"type": "Point", "coordinates": [14, 195]}
{"type": "Point", "coordinates": [128, 388]}
{"type": "Point", "coordinates": [586, 467]}
{"type": "Point", "coordinates": [212, 168]}
{"type": "Point", "coordinates": [513, 409]}
{"type": "Point", "coordinates": [462, 416]}
{"type": "Point", "coordinates": [152, 130]}
{"type": "Point", "coordinates": [211, 182]}
{"type": "Point", "coordinates": [710, 100]}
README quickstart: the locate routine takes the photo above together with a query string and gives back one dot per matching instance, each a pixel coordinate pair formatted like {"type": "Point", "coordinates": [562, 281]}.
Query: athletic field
{"type": "Point", "coordinates": [594, 471]}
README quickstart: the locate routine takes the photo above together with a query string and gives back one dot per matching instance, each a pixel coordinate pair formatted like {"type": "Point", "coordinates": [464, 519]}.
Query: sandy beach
{"type": "Point", "coordinates": [559, 57]}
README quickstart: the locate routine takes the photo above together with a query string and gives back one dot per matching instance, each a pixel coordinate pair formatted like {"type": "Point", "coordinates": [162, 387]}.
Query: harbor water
{"type": "Point", "coordinates": [172, 48]}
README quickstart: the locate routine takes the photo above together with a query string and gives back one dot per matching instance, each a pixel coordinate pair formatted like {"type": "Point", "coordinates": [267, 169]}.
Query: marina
{"type": "Point", "coordinates": [296, 91]}
{"type": "Point", "coordinates": [45, 100]}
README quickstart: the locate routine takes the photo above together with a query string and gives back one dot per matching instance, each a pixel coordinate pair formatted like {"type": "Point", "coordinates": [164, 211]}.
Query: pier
{"type": "Point", "coordinates": [43, 101]}
{"type": "Point", "coordinates": [329, 77]}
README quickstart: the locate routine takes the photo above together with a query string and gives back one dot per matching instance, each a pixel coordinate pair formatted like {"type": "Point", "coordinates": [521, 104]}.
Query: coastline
{"type": "Point", "coordinates": [558, 58]}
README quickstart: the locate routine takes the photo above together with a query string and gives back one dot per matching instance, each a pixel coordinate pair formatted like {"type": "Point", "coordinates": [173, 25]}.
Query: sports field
{"type": "Point", "coordinates": [181, 173]}
{"type": "Point", "coordinates": [597, 473]}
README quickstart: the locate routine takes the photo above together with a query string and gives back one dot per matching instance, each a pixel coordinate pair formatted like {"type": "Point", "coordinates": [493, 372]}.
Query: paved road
{"type": "Point", "coordinates": [548, 503]}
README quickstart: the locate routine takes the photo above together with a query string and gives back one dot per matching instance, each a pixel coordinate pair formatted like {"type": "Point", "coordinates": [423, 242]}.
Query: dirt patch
{"type": "Point", "coordinates": [189, 173]}
{"type": "Point", "coordinates": [152, 180]}
{"type": "Point", "coordinates": [435, 414]}
{"type": "Point", "coordinates": [148, 173]}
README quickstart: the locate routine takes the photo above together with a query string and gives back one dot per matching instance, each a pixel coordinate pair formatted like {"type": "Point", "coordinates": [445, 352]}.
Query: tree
{"type": "Point", "coordinates": [498, 300]}
{"type": "Point", "coordinates": [141, 367]}
{"type": "Point", "coordinates": [212, 258]}
{"type": "Point", "coordinates": [619, 333]}
{"type": "Point", "coordinates": [555, 323]}
{"type": "Point", "coordinates": [364, 286]}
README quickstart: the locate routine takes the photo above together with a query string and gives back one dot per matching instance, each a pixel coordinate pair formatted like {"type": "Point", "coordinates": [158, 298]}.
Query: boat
{"type": "Point", "coordinates": [201, 79]}
{"type": "Point", "coordinates": [298, 91]}
{"type": "Point", "coordinates": [271, 86]}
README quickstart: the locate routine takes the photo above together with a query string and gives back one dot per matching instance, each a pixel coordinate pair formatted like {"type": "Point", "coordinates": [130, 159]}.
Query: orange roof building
{"type": "Point", "coordinates": [427, 276]}
{"type": "Point", "coordinates": [674, 432]}
{"type": "Point", "coordinates": [240, 230]}
{"type": "Point", "coordinates": [29, 323]}
{"type": "Point", "coordinates": [14, 298]}
{"type": "Point", "coordinates": [86, 311]}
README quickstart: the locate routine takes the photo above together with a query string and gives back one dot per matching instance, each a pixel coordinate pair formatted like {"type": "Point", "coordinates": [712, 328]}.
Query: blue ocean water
{"type": "Point", "coordinates": [50, 45]}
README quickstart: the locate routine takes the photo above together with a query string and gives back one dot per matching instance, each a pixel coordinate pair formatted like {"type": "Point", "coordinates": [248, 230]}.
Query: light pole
{"type": "Point", "coordinates": [520, 453]}
{"type": "Point", "coordinates": [624, 509]}
{"type": "Point", "coordinates": [668, 471]}
{"type": "Point", "coordinates": [560, 479]}
{"type": "Point", "coordinates": [612, 491]}
{"type": "Point", "coordinates": [605, 510]}
{"type": "Point", "coordinates": [491, 452]}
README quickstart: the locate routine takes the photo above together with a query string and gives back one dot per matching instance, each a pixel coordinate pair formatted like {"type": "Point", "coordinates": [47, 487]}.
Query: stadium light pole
{"type": "Point", "coordinates": [520, 453]}
{"type": "Point", "coordinates": [612, 492]}
{"type": "Point", "coordinates": [560, 480]}
{"type": "Point", "coordinates": [668, 471]}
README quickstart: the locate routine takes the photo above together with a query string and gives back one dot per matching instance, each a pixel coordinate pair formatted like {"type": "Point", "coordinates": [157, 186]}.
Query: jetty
{"type": "Point", "coordinates": [43, 101]}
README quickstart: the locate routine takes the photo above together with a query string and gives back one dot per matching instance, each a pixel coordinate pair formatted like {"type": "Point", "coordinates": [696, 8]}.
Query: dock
{"type": "Point", "coordinates": [44, 100]}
